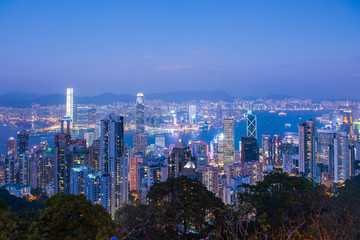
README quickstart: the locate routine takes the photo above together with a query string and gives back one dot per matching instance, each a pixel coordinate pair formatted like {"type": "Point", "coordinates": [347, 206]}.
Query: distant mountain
{"type": "Point", "coordinates": [18, 96]}
{"type": "Point", "coordinates": [184, 96]}
{"type": "Point", "coordinates": [249, 98]}
{"type": "Point", "coordinates": [21, 100]}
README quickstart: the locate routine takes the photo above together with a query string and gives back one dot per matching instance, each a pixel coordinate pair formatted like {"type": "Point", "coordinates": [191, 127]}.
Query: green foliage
{"type": "Point", "coordinates": [282, 202]}
{"type": "Point", "coordinates": [285, 207]}
{"type": "Point", "coordinates": [143, 222]}
{"type": "Point", "coordinates": [178, 208]}
{"type": "Point", "coordinates": [279, 207]}
{"type": "Point", "coordinates": [72, 217]}
{"type": "Point", "coordinates": [8, 222]}
{"type": "Point", "coordinates": [19, 204]}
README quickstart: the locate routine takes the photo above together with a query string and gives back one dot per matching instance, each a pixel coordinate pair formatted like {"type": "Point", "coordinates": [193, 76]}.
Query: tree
{"type": "Point", "coordinates": [345, 217]}
{"type": "Point", "coordinates": [142, 222]}
{"type": "Point", "coordinates": [188, 208]}
{"type": "Point", "coordinates": [72, 217]}
{"type": "Point", "coordinates": [8, 222]}
{"type": "Point", "coordinates": [285, 207]}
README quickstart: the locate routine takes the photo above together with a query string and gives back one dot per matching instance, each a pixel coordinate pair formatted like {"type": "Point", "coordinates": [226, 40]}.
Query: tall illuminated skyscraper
{"type": "Point", "coordinates": [22, 142]}
{"type": "Point", "coordinates": [308, 149]}
{"type": "Point", "coordinates": [229, 141]}
{"type": "Point", "coordinates": [70, 103]}
{"type": "Point", "coordinates": [251, 124]}
{"type": "Point", "coordinates": [266, 148]}
{"type": "Point", "coordinates": [113, 160]}
{"type": "Point", "coordinates": [140, 113]}
{"type": "Point", "coordinates": [342, 163]}
{"type": "Point", "coordinates": [140, 143]}
{"type": "Point", "coordinates": [192, 114]}
{"type": "Point", "coordinates": [22, 166]}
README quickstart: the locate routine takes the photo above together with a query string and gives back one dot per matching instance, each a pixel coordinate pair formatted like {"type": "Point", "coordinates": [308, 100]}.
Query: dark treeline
{"type": "Point", "coordinates": [279, 207]}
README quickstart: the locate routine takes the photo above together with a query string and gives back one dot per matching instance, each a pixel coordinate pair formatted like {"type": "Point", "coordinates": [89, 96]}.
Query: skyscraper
{"type": "Point", "coordinates": [308, 149]}
{"type": "Point", "coordinates": [77, 179]}
{"type": "Point", "coordinates": [249, 149]}
{"type": "Point", "coordinates": [140, 143]}
{"type": "Point", "coordinates": [266, 148]}
{"type": "Point", "coordinates": [134, 161]}
{"type": "Point", "coordinates": [251, 124]}
{"type": "Point", "coordinates": [341, 157]}
{"type": "Point", "coordinates": [326, 149]}
{"type": "Point", "coordinates": [210, 178]}
{"type": "Point", "coordinates": [22, 166]}
{"type": "Point", "coordinates": [229, 141]}
{"type": "Point", "coordinates": [22, 142]}
{"type": "Point", "coordinates": [70, 103]}
{"type": "Point", "coordinates": [62, 158]}
{"type": "Point", "coordinates": [11, 146]}
{"type": "Point", "coordinates": [113, 160]}
{"type": "Point", "coordinates": [200, 150]}
{"type": "Point", "coordinates": [140, 113]}
{"type": "Point", "coordinates": [192, 114]}
{"type": "Point", "coordinates": [178, 158]}
{"type": "Point", "coordinates": [97, 188]}
{"type": "Point", "coordinates": [94, 154]}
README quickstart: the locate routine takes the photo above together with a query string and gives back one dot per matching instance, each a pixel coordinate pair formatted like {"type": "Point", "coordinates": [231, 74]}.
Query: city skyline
{"type": "Point", "coordinates": [244, 48]}
{"type": "Point", "coordinates": [180, 119]}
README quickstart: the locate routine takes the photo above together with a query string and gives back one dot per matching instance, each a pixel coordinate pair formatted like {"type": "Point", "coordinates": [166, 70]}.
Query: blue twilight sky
{"type": "Point", "coordinates": [305, 48]}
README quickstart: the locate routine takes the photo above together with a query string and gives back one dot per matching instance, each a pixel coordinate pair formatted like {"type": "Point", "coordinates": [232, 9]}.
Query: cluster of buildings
{"type": "Point", "coordinates": [99, 165]}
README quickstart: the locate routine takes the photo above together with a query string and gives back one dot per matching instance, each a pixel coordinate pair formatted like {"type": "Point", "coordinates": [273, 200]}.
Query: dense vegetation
{"type": "Point", "coordinates": [280, 207]}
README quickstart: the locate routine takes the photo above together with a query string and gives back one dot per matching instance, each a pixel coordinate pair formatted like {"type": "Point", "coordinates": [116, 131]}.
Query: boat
{"type": "Point", "coordinates": [282, 114]}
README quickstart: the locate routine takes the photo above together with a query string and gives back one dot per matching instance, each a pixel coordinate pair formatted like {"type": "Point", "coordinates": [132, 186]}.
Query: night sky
{"type": "Point", "coordinates": [304, 48]}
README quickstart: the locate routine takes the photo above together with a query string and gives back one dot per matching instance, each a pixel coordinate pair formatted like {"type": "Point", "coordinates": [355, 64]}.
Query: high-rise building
{"type": "Point", "coordinates": [192, 114]}
{"type": "Point", "coordinates": [217, 148]}
{"type": "Point", "coordinates": [113, 160]}
{"type": "Point", "coordinates": [77, 179]}
{"type": "Point", "coordinates": [308, 149]}
{"type": "Point", "coordinates": [97, 189]}
{"type": "Point", "coordinates": [9, 169]}
{"type": "Point", "coordinates": [94, 154]}
{"type": "Point", "coordinates": [37, 172]}
{"type": "Point", "coordinates": [325, 148]}
{"type": "Point", "coordinates": [79, 153]}
{"type": "Point", "coordinates": [249, 149]}
{"type": "Point", "coordinates": [251, 124]}
{"type": "Point", "coordinates": [140, 113]}
{"type": "Point", "coordinates": [266, 148]}
{"type": "Point", "coordinates": [62, 158]}
{"type": "Point", "coordinates": [348, 120]}
{"type": "Point", "coordinates": [341, 157]}
{"type": "Point", "coordinates": [140, 143]}
{"type": "Point", "coordinates": [178, 158]}
{"type": "Point", "coordinates": [22, 142]}
{"type": "Point", "coordinates": [133, 172]}
{"type": "Point", "coordinates": [229, 141]}
{"type": "Point", "coordinates": [11, 146]}
{"type": "Point", "coordinates": [200, 151]}
{"type": "Point", "coordinates": [70, 103]}
{"type": "Point", "coordinates": [210, 178]}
